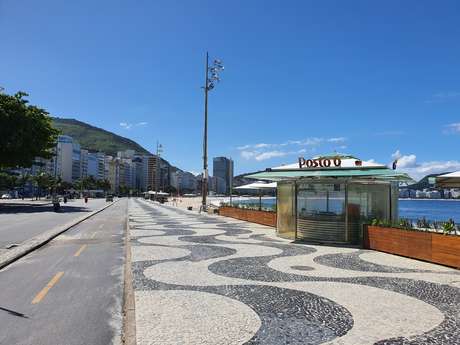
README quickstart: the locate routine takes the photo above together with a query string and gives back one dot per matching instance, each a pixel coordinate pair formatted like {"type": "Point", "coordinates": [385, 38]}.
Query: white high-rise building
{"type": "Point", "coordinates": [63, 159]}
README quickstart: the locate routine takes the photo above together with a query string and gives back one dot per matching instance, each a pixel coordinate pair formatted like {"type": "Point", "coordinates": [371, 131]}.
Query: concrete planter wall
{"type": "Point", "coordinates": [253, 216]}
{"type": "Point", "coordinates": [427, 246]}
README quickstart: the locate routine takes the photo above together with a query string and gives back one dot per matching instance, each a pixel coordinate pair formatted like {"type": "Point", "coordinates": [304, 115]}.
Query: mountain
{"type": "Point", "coordinates": [96, 139]}
{"type": "Point", "coordinates": [425, 183]}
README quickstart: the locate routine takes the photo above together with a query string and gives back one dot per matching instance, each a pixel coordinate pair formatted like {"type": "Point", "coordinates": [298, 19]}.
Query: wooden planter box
{"type": "Point", "coordinates": [427, 246]}
{"type": "Point", "coordinates": [253, 216]}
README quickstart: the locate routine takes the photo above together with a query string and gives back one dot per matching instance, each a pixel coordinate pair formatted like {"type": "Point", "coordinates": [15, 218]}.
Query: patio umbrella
{"type": "Point", "coordinates": [259, 186]}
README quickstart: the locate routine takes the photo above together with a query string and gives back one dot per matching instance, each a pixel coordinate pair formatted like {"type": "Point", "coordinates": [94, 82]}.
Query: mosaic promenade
{"type": "Point", "coordinates": [214, 280]}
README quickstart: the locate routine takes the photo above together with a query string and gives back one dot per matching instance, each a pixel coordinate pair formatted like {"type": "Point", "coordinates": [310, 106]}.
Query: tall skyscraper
{"type": "Point", "coordinates": [222, 168]}
{"type": "Point", "coordinates": [153, 173]}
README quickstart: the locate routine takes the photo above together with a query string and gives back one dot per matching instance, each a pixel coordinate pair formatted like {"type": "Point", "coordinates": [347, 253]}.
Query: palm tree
{"type": "Point", "coordinates": [103, 184]}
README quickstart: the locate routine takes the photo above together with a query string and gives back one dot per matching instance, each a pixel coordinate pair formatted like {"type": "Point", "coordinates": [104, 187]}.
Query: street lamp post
{"type": "Point", "coordinates": [211, 78]}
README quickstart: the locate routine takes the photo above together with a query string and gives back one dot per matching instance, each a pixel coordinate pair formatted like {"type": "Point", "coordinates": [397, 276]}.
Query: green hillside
{"type": "Point", "coordinates": [96, 139]}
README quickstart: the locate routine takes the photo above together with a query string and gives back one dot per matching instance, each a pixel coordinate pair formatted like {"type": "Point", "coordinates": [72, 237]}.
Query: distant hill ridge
{"type": "Point", "coordinates": [96, 139]}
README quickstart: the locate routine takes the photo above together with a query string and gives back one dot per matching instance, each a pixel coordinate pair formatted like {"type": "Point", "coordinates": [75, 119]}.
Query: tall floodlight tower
{"type": "Point", "coordinates": [211, 78]}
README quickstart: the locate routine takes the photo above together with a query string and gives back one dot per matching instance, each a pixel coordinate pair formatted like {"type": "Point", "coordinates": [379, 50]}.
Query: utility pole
{"type": "Point", "coordinates": [211, 77]}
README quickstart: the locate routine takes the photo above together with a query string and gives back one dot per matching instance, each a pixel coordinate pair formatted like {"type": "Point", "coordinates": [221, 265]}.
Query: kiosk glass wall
{"type": "Point", "coordinates": [332, 210]}
{"type": "Point", "coordinates": [321, 201]}
{"type": "Point", "coordinates": [286, 222]}
{"type": "Point", "coordinates": [366, 202]}
{"type": "Point", "coordinates": [321, 211]}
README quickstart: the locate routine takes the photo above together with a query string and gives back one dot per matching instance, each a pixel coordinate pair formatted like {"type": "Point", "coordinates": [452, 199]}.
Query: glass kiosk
{"type": "Point", "coordinates": [331, 204]}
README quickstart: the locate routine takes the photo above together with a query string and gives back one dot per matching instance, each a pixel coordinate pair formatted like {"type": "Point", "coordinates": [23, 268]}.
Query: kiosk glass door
{"type": "Point", "coordinates": [366, 202]}
{"type": "Point", "coordinates": [321, 212]}
{"type": "Point", "coordinates": [286, 210]}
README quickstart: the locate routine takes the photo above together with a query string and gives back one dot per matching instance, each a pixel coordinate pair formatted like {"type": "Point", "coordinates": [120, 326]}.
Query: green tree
{"type": "Point", "coordinates": [103, 184]}
{"type": "Point", "coordinates": [43, 181]}
{"type": "Point", "coordinates": [123, 189]}
{"type": "Point", "coordinates": [66, 185]}
{"type": "Point", "coordinates": [90, 182]}
{"type": "Point", "coordinates": [7, 180]}
{"type": "Point", "coordinates": [26, 132]}
{"type": "Point", "coordinates": [170, 190]}
{"type": "Point", "coordinates": [22, 181]}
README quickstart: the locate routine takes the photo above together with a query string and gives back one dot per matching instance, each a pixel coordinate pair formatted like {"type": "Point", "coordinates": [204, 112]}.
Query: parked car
{"type": "Point", "coordinates": [6, 196]}
{"type": "Point", "coordinates": [109, 198]}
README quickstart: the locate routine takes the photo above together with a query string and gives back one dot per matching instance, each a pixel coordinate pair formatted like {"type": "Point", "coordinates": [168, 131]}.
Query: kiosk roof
{"type": "Point", "coordinates": [346, 166]}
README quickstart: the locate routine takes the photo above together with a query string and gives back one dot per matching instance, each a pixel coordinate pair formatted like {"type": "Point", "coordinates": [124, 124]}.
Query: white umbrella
{"type": "Point", "coordinates": [259, 185]}
{"type": "Point", "coordinates": [451, 180]}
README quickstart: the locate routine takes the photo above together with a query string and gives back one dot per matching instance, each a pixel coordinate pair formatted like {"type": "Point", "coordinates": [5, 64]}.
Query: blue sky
{"type": "Point", "coordinates": [373, 79]}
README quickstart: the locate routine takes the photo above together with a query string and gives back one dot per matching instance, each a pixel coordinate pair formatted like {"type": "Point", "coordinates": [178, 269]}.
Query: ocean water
{"type": "Point", "coordinates": [434, 210]}
{"type": "Point", "coordinates": [439, 210]}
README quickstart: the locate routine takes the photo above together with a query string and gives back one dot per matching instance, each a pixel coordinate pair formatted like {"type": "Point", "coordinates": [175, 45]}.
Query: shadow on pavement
{"type": "Point", "coordinates": [15, 313]}
{"type": "Point", "coordinates": [21, 208]}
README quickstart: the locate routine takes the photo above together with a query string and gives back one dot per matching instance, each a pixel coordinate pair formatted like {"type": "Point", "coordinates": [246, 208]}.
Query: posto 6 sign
{"type": "Point", "coordinates": [319, 163]}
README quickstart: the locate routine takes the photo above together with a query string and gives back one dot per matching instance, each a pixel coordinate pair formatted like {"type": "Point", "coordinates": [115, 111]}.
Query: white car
{"type": "Point", "coordinates": [6, 196]}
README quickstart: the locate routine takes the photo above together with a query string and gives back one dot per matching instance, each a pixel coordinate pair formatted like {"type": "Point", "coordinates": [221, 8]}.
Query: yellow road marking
{"type": "Point", "coordinates": [93, 235]}
{"type": "Point", "coordinates": [82, 248]}
{"type": "Point", "coordinates": [48, 286]}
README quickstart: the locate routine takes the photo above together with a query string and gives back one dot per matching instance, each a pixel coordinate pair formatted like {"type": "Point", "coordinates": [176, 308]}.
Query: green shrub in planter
{"type": "Point", "coordinates": [448, 227]}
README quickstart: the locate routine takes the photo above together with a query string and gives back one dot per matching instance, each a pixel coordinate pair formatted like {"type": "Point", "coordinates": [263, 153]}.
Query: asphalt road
{"type": "Point", "coordinates": [22, 222]}
{"type": "Point", "coordinates": [70, 291]}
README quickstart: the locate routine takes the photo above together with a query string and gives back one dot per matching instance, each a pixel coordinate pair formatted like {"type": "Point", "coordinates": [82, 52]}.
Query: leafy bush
{"type": "Point", "coordinates": [422, 224]}
{"type": "Point", "coordinates": [448, 227]}
{"type": "Point", "coordinates": [250, 206]}
{"type": "Point", "coordinates": [405, 224]}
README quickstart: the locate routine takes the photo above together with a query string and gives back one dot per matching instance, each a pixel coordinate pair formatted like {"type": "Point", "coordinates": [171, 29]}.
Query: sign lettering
{"type": "Point", "coordinates": [319, 163]}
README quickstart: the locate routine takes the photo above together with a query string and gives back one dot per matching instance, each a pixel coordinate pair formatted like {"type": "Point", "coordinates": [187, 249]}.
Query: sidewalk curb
{"type": "Point", "coordinates": [36, 242]}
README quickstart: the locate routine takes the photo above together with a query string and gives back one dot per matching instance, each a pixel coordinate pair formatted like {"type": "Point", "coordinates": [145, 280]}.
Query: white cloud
{"type": "Point", "coordinates": [396, 155]}
{"type": "Point", "coordinates": [311, 142]}
{"type": "Point", "coordinates": [265, 151]}
{"type": "Point", "coordinates": [453, 128]}
{"type": "Point", "coordinates": [127, 125]}
{"type": "Point", "coordinates": [248, 154]}
{"type": "Point", "coordinates": [404, 161]}
{"type": "Point", "coordinates": [409, 161]}
{"type": "Point", "coordinates": [337, 140]}
{"type": "Point", "coordinates": [409, 165]}
{"type": "Point", "coordinates": [262, 145]}
{"type": "Point", "coordinates": [304, 142]}
{"type": "Point", "coordinates": [270, 154]}
{"type": "Point", "coordinates": [433, 167]}
{"type": "Point", "coordinates": [261, 155]}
